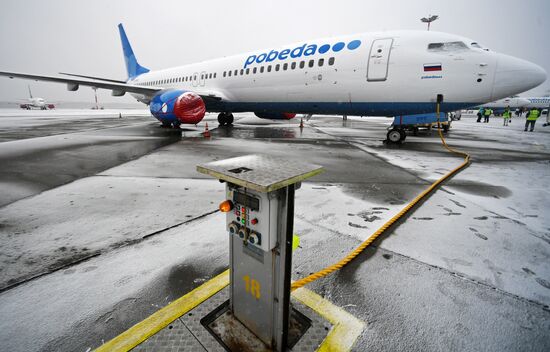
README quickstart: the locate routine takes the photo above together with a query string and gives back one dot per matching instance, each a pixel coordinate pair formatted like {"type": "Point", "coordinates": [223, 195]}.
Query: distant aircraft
{"type": "Point", "coordinates": [369, 74]}
{"type": "Point", "coordinates": [511, 102]}
{"type": "Point", "coordinates": [35, 103]}
{"type": "Point", "coordinates": [538, 102]}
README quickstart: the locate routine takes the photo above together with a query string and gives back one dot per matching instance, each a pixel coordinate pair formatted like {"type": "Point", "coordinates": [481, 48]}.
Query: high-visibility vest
{"type": "Point", "coordinates": [487, 112]}
{"type": "Point", "coordinates": [506, 113]}
{"type": "Point", "coordinates": [533, 115]}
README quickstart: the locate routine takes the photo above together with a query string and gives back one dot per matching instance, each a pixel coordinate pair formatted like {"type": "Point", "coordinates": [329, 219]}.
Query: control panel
{"type": "Point", "coordinates": [253, 218]}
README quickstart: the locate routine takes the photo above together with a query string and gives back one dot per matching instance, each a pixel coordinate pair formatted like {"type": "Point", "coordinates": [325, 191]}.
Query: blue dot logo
{"type": "Point", "coordinates": [324, 48]}
{"type": "Point", "coordinates": [338, 46]}
{"type": "Point", "coordinates": [354, 44]}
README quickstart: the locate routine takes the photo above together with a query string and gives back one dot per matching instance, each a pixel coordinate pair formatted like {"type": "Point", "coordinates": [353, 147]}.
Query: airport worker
{"type": "Point", "coordinates": [532, 116]}
{"type": "Point", "coordinates": [486, 114]}
{"type": "Point", "coordinates": [479, 114]}
{"type": "Point", "coordinates": [506, 115]}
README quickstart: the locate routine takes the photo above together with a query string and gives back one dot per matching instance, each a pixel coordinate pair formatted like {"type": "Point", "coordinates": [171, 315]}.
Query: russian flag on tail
{"type": "Point", "coordinates": [432, 67]}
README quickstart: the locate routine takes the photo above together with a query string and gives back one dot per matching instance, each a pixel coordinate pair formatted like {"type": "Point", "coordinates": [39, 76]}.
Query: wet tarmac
{"type": "Point", "coordinates": [104, 221]}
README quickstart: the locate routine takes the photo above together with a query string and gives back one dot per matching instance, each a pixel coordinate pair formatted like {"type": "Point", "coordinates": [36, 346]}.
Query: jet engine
{"type": "Point", "coordinates": [275, 115]}
{"type": "Point", "coordinates": [178, 106]}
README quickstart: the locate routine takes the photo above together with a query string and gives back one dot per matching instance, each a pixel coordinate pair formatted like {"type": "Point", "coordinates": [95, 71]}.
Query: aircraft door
{"type": "Point", "coordinates": [203, 78]}
{"type": "Point", "coordinates": [195, 79]}
{"type": "Point", "coordinates": [379, 58]}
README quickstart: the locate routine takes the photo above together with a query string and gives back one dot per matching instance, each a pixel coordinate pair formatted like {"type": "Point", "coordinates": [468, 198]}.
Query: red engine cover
{"type": "Point", "coordinates": [189, 108]}
{"type": "Point", "coordinates": [289, 115]}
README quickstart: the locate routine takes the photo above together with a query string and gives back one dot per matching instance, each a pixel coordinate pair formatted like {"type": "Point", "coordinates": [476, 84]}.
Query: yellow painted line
{"type": "Point", "coordinates": [346, 328]}
{"type": "Point", "coordinates": [160, 319]}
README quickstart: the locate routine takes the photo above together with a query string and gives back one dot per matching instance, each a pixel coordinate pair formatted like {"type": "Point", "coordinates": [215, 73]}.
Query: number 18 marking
{"type": "Point", "coordinates": [252, 286]}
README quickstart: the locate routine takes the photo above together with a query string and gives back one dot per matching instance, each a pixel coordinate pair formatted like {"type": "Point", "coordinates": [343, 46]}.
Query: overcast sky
{"type": "Point", "coordinates": [47, 37]}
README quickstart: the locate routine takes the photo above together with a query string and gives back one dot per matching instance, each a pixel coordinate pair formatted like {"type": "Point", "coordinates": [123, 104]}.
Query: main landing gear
{"type": "Point", "coordinates": [225, 118]}
{"type": "Point", "coordinates": [174, 125]}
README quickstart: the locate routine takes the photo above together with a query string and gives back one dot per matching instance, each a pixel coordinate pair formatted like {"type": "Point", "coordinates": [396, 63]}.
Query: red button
{"type": "Point", "coordinates": [254, 221]}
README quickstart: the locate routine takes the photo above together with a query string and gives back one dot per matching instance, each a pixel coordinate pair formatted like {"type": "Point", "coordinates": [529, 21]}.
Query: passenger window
{"type": "Point", "coordinates": [293, 65]}
{"type": "Point", "coordinates": [311, 63]}
{"type": "Point", "coordinates": [277, 67]}
{"type": "Point", "coordinates": [224, 73]}
{"type": "Point", "coordinates": [229, 73]}
{"type": "Point", "coordinates": [236, 72]}
{"type": "Point", "coordinates": [242, 71]}
{"type": "Point", "coordinates": [321, 62]}
{"type": "Point", "coordinates": [331, 61]}
{"type": "Point", "coordinates": [302, 64]}
{"type": "Point", "coordinates": [285, 66]}
{"type": "Point", "coordinates": [247, 71]}
{"type": "Point", "coordinates": [262, 69]}
{"type": "Point", "coordinates": [215, 74]}
{"type": "Point", "coordinates": [254, 70]}
{"type": "Point", "coordinates": [269, 68]}
{"type": "Point", "coordinates": [202, 76]}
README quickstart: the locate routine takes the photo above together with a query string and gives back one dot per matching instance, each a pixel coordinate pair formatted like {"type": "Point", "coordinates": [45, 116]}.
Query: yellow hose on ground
{"type": "Point", "coordinates": [344, 261]}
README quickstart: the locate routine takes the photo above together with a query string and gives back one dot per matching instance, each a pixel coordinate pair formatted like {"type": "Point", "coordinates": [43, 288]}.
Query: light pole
{"type": "Point", "coordinates": [429, 20]}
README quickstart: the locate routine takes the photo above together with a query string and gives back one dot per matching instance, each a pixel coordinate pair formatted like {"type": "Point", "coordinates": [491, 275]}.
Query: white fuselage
{"type": "Point", "coordinates": [512, 103]}
{"type": "Point", "coordinates": [388, 73]}
{"type": "Point", "coordinates": [37, 102]}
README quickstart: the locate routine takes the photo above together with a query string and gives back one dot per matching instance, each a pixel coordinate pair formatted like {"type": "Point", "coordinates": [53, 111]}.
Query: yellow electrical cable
{"type": "Point", "coordinates": [344, 261]}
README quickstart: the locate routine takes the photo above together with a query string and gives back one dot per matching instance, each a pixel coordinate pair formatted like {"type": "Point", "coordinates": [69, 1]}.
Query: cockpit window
{"type": "Point", "coordinates": [448, 46]}
{"type": "Point", "coordinates": [478, 46]}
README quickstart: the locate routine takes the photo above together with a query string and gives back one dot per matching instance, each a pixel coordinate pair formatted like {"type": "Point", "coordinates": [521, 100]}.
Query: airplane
{"type": "Point", "coordinates": [370, 74]}
{"type": "Point", "coordinates": [35, 102]}
{"type": "Point", "coordinates": [538, 102]}
{"type": "Point", "coordinates": [511, 102]}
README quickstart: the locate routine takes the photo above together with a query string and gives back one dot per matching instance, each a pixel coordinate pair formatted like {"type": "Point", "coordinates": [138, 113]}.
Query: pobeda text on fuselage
{"type": "Point", "coordinates": [296, 53]}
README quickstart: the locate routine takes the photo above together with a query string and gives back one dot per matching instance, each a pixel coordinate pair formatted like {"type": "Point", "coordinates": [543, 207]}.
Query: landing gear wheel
{"type": "Point", "coordinates": [166, 125]}
{"type": "Point", "coordinates": [395, 136]}
{"type": "Point", "coordinates": [445, 128]}
{"type": "Point", "coordinates": [225, 118]}
{"type": "Point", "coordinates": [222, 118]}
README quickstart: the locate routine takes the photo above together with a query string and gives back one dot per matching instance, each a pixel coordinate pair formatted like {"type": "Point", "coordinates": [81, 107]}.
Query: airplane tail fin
{"type": "Point", "coordinates": [30, 93]}
{"type": "Point", "coordinates": [132, 67]}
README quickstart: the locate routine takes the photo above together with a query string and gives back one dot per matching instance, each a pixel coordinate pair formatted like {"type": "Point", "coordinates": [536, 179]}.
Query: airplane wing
{"type": "Point", "coordinates": [118, 88]}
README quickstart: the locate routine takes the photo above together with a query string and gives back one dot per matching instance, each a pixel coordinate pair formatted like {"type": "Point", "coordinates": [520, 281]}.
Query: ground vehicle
{"type": "Point", "coordinates": [413, 123]}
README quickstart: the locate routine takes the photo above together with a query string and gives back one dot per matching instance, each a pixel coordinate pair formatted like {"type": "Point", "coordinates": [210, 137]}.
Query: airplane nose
{"type": "Point", "coordinates": [515, 76]}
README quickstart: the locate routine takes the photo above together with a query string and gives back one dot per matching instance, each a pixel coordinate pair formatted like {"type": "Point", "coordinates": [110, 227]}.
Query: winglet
{"type": "Point", "coordinates": [132, 67]}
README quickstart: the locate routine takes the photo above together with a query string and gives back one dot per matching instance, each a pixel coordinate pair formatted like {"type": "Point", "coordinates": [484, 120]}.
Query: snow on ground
{"type": "Point", "coordinates": [489, 225]}
{"type": "Point", "coordinates": [490, 222]}
{"type": "Point", "coordinates": [93, 215]}
{"type": "Point", "coordinates": [103, 288]}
